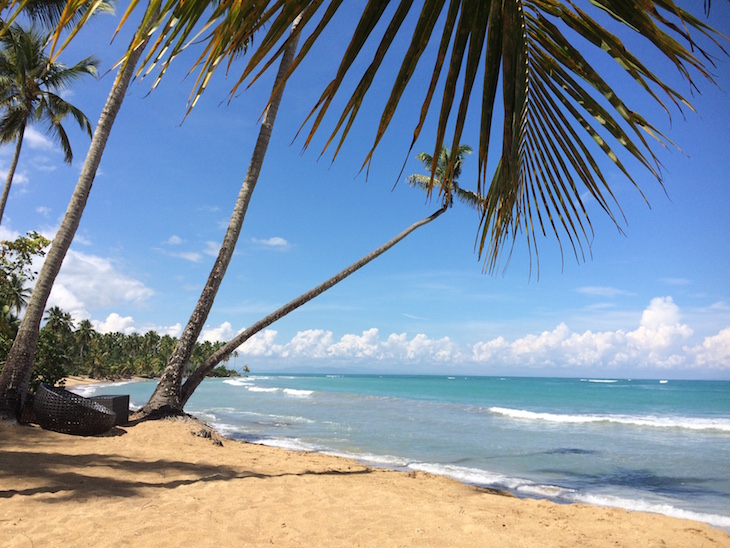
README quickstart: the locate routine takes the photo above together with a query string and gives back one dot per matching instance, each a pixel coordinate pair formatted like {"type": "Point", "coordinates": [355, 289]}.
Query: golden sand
{"type": "Point", "coordinates": [161, 483]}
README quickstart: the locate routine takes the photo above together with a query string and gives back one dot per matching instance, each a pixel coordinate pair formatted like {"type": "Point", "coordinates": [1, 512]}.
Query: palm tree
{"type": "Point", "coordinates": [58, 321]}
{"type": "Point", "coordinates": [558, 112]}
{"type": "Point", "coordinates": [49, 13]}
{"type": "Point", "coordinates": [166, 397]}
{"type": "Point", "coordinates": [84, 335]}
{"type": "Point", "coordinates": [425, 182]}
{"type": "Point", "coordinates": [18, 368]}
{"type": "Point", "coordinates": [14, 292]}
{"type": "Point", "coordinates": [557, 108]}
{"type": "Point", "coordinates": [29, 93]}
{"type": "Point", "coordinates": [438, 171]}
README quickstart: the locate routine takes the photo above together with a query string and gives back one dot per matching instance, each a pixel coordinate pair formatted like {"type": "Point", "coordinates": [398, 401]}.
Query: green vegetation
{"type": "Point", "coordinates": [63, 351]}
{"type": "Point", "coordinates": [16, 271]}
{"type": "Point", "coordinates": [30, 93]}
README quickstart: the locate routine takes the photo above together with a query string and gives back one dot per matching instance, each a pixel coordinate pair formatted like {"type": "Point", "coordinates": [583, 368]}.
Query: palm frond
{"type": "Point", "coordinates": [562, 116]}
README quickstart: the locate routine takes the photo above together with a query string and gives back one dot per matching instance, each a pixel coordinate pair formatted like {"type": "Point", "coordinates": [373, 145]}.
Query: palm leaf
{"type": "Point", "coordinates": [561, 114]}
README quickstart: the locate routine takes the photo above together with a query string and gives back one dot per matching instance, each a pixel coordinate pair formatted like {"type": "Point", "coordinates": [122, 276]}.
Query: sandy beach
{"type": "Point", "coordinates": [175, 483]}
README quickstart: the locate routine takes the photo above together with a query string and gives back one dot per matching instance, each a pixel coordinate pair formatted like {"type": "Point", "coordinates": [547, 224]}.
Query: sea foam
{"type": "Point", "coordinates": [298, 393]}
{"type": "Point", "coordinates": [690, 423]}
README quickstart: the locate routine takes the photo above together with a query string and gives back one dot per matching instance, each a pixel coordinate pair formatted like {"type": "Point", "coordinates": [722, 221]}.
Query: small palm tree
{"type": "Point", "coordinates": [84, 335]}
{"type": "Point", "coordinates": [29, 93]}
{"type": "Point", "coordinates": [438, 176]}
{"type": "Point", "coordinates": [14, 293]}
{"type": "Point", "coordinates": [58, 321]}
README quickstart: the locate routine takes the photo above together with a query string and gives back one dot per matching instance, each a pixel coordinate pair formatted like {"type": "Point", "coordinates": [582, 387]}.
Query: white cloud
{"type": "Point", "coordinates": [191, 256]}
{"type": "Point", "coordinates": [275, 242]}
{"type": "Point", "coordinates": [115, 323]}
{"type": "Point", "coordinates": [43, 210]}
{"type": "Point", "coordinates": [174, 240]}
{"type": "Point", "coordinates": [659, 343]}
{"type": "Point", "coordinates": [88, 282]}
{"type": "Point", "coordinates": [36, 140]}
{"type": "Point", "coordinates": [319, 344]}
{"type": "Point", "coordinates": [212, 248]}
{"type": "Point", "coordinates": [602, 291]}
{"type": "Point", "coordinates": [714, 352]}
{"type": "Point", "coordinates": [222, 333]}
{"type": "Point", "coordinates": [662, 311]}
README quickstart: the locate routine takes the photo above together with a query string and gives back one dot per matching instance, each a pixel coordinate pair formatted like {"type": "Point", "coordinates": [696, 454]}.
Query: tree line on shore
{"type": "Point", "coordinates": [65, 348]}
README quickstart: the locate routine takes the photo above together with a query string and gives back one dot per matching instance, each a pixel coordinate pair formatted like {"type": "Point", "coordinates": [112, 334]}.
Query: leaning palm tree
{"type": "Point", "coordinates": [30, 88]}
{"type": "Point", "coordinates": [166, 398]}
{"type": "Point", "coordinates": [16, 373]}
{"type": "Point", "coordinates": [424, 182]}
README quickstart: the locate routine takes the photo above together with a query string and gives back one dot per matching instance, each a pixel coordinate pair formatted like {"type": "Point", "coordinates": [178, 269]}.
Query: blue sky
{"type": "Point", "coordinates": [652, 302]}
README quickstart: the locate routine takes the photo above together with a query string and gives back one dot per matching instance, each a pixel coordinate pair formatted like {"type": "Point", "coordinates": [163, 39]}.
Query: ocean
{"type": "Point", "coordinates": [649, 445]}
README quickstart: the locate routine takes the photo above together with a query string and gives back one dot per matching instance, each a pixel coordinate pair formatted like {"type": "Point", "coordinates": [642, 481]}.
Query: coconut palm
{"type": "Point", "coordinates": [58, 321]}
{"type": "Point", "coordinates": [425, 182]}
{"type": "Point", "coordinates": [166, 397]}
{"type": "Point", "coordinates": [558, 112]}
{"type": "Point", "coordinates": [29, 93]}
{"type": "Point", "coordinates": [18, 368]}
{"type": "Point", "coordinates": [14, 293]}
{"type": "Point", "coordinates": [84, 334]}
{"type": "Point", "coordinates": [437, 171]}
{"type": "Point", "coordinates": [197, 376]}
{"type": "Point", "coordinates": [48, 13]}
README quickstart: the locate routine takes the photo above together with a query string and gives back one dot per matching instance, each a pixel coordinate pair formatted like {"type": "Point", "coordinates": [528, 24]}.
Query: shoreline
{"type": "Point", "coordinates": [84, 380]}
{"type": "Point", "coordinates": [715, 520]}
{"type": "Point", "coordinates": [176, 481]}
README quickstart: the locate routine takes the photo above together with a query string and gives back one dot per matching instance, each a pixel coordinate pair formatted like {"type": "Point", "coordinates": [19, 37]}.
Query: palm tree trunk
{"type": "Point", "coordinates": [166, 398]}
{"type": "Point", "coordinates": [11, 173]}
{"type": "Point", "coordinates": [16, 373]}
{"type": "Point", "coordinates": [199, 374]}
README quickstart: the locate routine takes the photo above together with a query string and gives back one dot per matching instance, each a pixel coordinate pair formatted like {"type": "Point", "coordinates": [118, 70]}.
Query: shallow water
{"type": "Point", "coordinates": [644, 445]}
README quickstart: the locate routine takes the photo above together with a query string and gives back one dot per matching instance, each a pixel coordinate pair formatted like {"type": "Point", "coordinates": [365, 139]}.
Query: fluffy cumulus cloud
{"type": "Point", "coordinates": [714, 352]}
{"type": "Point", "coordinates": [223, 332]}
{"type": "Point", "coordinates": [317, 344]}
{"type": "Point", "coordinates": [660, 343]}
{"type": "Point", "coordinates": [88, 282]}
{"type": "Point", "coordinates": [115, 323]}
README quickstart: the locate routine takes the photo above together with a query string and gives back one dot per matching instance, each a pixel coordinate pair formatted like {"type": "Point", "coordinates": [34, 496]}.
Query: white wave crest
{"type": "Point", "coordinates": [298, 393]}
{"type": "Point", "coordinates": [261, 389]}
{"type": "Point", "coordinates": [238, 382]}
{"type": "Point", "coordinates": [689, 423]}
{"type": "Point", "coordinates": [644, 506]}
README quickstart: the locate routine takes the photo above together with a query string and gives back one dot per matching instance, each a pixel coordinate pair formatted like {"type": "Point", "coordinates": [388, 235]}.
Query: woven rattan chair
{"type": "Point", "coordinates": [63, 411]}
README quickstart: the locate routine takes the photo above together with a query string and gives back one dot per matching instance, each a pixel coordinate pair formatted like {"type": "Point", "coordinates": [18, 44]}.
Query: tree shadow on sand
{"type": "Point", "coordinates": [89, 475]}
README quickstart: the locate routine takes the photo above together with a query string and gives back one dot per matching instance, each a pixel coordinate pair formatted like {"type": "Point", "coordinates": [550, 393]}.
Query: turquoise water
{"type": "Point", "coordinates": [659, 446]}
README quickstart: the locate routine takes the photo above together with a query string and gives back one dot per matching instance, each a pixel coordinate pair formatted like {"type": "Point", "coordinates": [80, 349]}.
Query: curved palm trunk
{"type": "Point", "coordinates": [11, 173]}
{"type": "Point", "coordinates": [165, 400]}
{"type": "Point", "coordinates": [199, 374]}
{"type": "Point", "coordinates": [16, 373]}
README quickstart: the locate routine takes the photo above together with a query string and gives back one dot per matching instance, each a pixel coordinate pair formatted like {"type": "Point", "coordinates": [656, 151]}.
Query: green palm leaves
{"type": "Point", "coordinates": [531, 66]}
{"type": "Point", "coordinates": [30, 86]}
{"type": "Point", "coordinates": [438, 168]}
